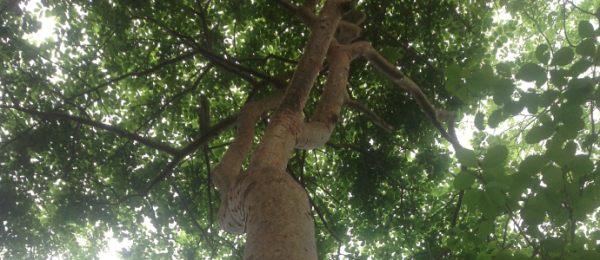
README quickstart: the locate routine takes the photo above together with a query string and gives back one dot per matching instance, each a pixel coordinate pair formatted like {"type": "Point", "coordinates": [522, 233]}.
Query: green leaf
{"type": "Point", "coordinates": [495, 118]}
{"type": "Point", "coordinates": [563, 56]}
{"type": "Point", "coordinates": [558, 78]}
{"type": "Point", "coordinates": [568, 111]}
{"type": "Point", "coordinates": [470, 198]}
{"type": "Point", "coordinates": [588, 254]}
{"type": "Point", "coordinates": [530, 101]}
{"type": "Point", "coordinates": [485, 228]}
{"type": "Point", "coordinates": [579, 90]}
{"type": "Point", "coordinates": [561, 218]}
{"type": "Point", "coordinates": [545, 119]}
{"type": "Point", "coordinates": [504, 69]}
{"type": "Point", "coordinates": [503, 90]}
{"type": "Point", "coordinates": [533, 164]}
{"type": "Point", "coordinates": [463, 180]}
{"type": "Point", "coordinates": [579, 67]}
{"type": "Point", "coordinates": [570, 114]}
{"type": "Point", "coordinates": [562, 156]}
{"type": "Point", "coordinates": [539, 133]}
{"type": "Point", "coordinates": [542, 54]}
{"type": "Point", "coordinates": [494, 173]}
{"type": "Point", "coordinates": [586, 30]}
{"type": "Point", "coordinates": [493, 191]}
{"type": "Point", "coordinates": [587, 48]}
{"type": "Point", "coordinates": [467, 157]}
{"type": "Point", "coordinates": [548, 97]}
{"type": "Point", "coordinates": [541, 80]}
{"type": "Point", "coordinates": [513, 108]}
{"type": "Point", "coordinates": [390, 54]}
{"type": "Point", "coordinates": [492, 185]}
{"type": "Point", "coordinates": [453, 71]}
{"type": "Point", "coordinates": [552, 176]}
{"type": "Point", "coordinates": [530, 72]}
{"type": "Point", "coordinates": [487, 207]}
{"type": "Point", "coordinates": [479, 121]}
{"type": "Point", "coordinates": [503, 256]}
{"type": "Point", "coordinates": [581, 165]}
{"type": "Point", "coordinates": [495, 156]}
{"type": "Point", "coordinates": [533, 215]}
{"type": "Point", "coordinates": [571, 129]}
{"type": "Point", "coordinates": [554, 244]}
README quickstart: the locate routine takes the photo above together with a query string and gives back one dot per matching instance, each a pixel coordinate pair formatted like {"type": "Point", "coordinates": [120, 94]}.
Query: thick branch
{"type": "Point", "coordinates": [213, 132]}
{"type": "Point", "coordinates": [346, 31]}
{"type": "Point", "coordinates": [365, 49]}
{"type": "Point", "coordinates": [327, 113]}
{"type": "Point", "coordinates": [231, 164]}
{"type": "Point", "coordinates": [278, 142]}
{"type": "Point", "coordinates": [225, 173]}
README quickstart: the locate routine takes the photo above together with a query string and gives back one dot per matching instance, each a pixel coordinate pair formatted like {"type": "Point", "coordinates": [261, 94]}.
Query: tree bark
{"type": "Point", "coordinates": [264, 201]}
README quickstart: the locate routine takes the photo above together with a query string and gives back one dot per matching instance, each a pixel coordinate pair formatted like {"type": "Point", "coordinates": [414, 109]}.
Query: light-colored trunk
{"type": "Point", "coordinates": [264, 201]}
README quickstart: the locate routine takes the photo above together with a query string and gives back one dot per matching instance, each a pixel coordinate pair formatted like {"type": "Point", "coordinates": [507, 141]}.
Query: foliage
{"type": "Point", "coordinates": [90, 117]}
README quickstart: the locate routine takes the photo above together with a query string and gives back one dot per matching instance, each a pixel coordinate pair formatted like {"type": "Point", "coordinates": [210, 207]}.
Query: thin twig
{"type": "Point", "coordinates": [110, 128]}
{"type": "Point", "coordinates": [353, 104]}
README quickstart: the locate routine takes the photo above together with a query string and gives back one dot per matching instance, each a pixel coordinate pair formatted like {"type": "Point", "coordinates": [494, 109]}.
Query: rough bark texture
{"type": "Point", "coordinates": [264, 201]}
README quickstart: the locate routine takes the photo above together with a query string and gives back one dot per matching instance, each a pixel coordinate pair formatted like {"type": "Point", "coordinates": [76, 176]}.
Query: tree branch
{"type": "Point", "coordinates": [265, 59]}
{"type": "Point", "coordinates": [365, 49]}
{"type": "Point", "coordinates": [411, 50]}
{"type": "Point", "coordinates": [316, 133]}
{"type": "Point", "coordinates": [225, 173]}
{"type": "Point", "coordinates": [228, 65]}
{"type": "Point", "coordinates": [213, 132]}
{"type": "Point", "coordinates": [345, 31]}
{"type": "Point", "coordinates": [187, 208]}
{"type": "Point", "coordinates": [353, 104]}
{"type": "Point", "coordinates": [110, 128]}
{"type": "Point", "coordinates": [138, 73]}
{"type": "Point", "coordinates": [323, 219]}
{"type": "Point", "coordinates": [458, 205]}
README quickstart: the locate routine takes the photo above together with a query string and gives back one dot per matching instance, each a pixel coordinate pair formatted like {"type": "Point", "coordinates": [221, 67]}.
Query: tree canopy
{"type": "Point", "coordinates": [111, 127]}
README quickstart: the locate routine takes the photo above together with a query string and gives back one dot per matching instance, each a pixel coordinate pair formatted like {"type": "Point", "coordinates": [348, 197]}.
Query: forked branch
{"type": "Point", "coordinates": [225, 173]}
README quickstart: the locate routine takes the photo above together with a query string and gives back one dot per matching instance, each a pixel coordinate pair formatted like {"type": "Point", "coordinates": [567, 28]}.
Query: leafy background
{"type": "Point", "coordinates": [522, 73]}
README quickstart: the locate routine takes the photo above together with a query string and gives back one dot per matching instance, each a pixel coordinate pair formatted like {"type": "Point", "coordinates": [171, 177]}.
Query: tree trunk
{"type": "Point", "coordinates": [264, 201]}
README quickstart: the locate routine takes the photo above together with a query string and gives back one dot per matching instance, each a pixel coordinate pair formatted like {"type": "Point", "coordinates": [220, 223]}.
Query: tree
{"type": "Point", "coordinates": [137, 119]}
